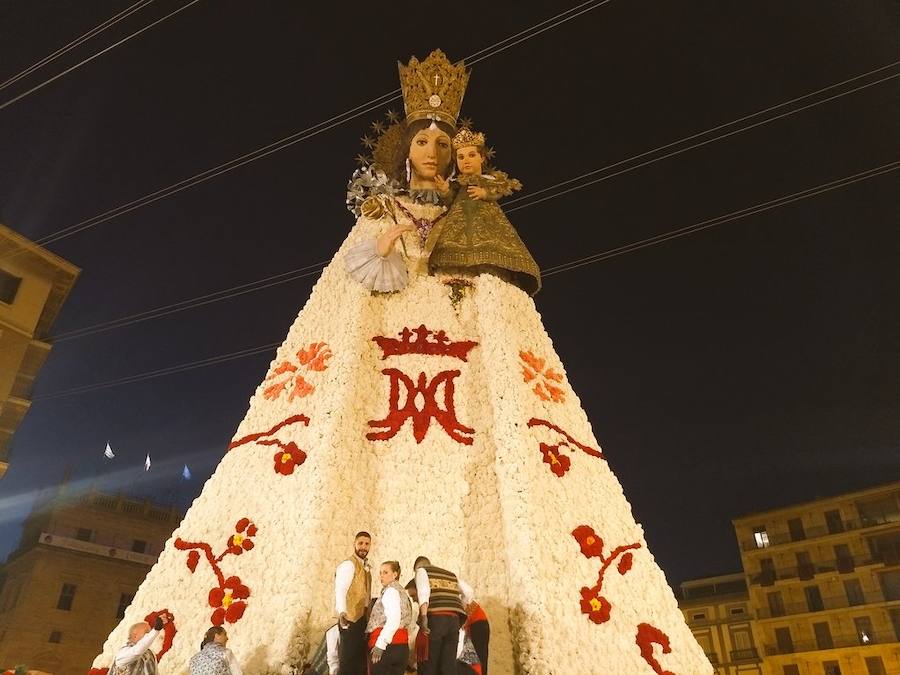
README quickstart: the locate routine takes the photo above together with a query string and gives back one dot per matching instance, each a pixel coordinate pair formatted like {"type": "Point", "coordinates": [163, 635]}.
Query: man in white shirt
{"type": "Point", "coordinates": [352, 593]}
{"type": "Point", "coordinates": [442, 598]}
{"type": "Point", "coordinates": [137, 657]}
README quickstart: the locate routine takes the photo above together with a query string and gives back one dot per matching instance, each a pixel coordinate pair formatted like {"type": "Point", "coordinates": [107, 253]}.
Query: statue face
{"type": "Point", "coordinates": [469, 160]}
{"type": "Point", "coordinates": [429, 154]}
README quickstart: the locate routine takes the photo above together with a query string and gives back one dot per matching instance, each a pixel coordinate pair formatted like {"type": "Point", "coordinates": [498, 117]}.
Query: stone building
{"type": "Point", "coordinates": [79, 562]}
{"type": "Point", "coordinates": [824, 583]}
{"type": "Point", "coordinates": [718, 612]}
{"type": "Point", "coordinates": [34, 283]}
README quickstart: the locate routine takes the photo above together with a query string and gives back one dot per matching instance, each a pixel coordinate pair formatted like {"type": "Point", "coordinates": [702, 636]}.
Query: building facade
{"type": "Point", "coordinates": [718, 612]}
{"type": "Point", "coordinates": [76, 569]}
{"type": "Point", "coordinates": [34, 283]}
{"type": "Point", "coordinates": [824, 584]}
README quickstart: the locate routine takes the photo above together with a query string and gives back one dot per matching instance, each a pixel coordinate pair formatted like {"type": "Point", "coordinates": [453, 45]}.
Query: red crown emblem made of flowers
{"type": "Point", "coordinates": [421, 340]}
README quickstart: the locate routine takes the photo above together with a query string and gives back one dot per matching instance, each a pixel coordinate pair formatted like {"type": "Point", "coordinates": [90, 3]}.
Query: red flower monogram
{"type": "Point", "coordinates": [228, 598]}
{"type": "Point", "coordinates": [228, 601]}
{"type": "Point", "coordinates": [593, 604]}
{"type": "Point", "coordinates": [241, 541]}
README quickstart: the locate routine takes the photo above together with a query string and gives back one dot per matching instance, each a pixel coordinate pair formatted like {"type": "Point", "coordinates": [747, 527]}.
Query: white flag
{"type": "Point", "coordinates": [147, 463]}
{"type": "Point", "coordinates": [108, 453]}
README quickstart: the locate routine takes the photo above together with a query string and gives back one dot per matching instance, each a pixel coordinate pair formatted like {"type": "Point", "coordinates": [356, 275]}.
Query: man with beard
{"type": "Point", "coordinates": [352, 592]}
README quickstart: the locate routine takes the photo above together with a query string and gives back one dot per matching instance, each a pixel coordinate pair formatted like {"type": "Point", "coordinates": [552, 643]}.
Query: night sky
{"type": "Point", "coordinates": [738, 369]}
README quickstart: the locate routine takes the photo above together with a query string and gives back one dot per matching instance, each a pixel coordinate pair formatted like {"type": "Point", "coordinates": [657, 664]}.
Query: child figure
{"type": "Point", "coordinates": [475, 236]}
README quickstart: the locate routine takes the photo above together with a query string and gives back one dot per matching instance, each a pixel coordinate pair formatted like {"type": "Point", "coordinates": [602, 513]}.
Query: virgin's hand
{"type": "Point", "coordinates": [442, 184]}
{"type": "Point", "coordinates": [385, 242]}
{"type": "Point", "coordinates": [476, 192]}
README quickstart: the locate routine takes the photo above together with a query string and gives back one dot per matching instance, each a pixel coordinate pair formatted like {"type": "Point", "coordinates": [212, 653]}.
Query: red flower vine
{"type": "Point", "coordinates": [595, 606]}
{"type": "Point", "coordinates": [289, 456]}
{"type": "Point", "coordinates": [647, 636]}
{"type": "Point", "coordinates": [169, 630]}
{"type": "Point", "coordinates": [545, 379]}
{"type": "Point", "coordinates": [312, 358]}
{"type": "Point", "coordinates": [228, 598]}
{"type": "Point", "coordinates": [552, 454]}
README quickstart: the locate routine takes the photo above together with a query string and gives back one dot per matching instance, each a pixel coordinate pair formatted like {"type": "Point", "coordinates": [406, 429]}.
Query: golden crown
{"type": "Point", "coordinates": [433, 89]}
{"type": "Point", "coordinates": [467, 138]}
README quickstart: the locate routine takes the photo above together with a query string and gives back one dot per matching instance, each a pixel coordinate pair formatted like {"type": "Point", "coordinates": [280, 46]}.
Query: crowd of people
{"type": "Point", "coordinates": [446, 634]}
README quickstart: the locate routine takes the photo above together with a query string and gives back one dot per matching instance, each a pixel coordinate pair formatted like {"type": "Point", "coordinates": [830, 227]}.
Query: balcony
{"type": "Point", "coordinates": [806, 572]}
{"type": "Point", "coordinates": [778, 538]}
{"type": "Point", "coordinates": [829, 603]}
{"type": "Point", "coordinates": [740, 655]}
{"type": "Point", "coordinates": [836, 642]}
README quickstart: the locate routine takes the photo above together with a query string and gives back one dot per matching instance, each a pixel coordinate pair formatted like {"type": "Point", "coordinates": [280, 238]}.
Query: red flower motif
{"type": "Point", "coordinates": [192, 560]}
{"type": "Point", "coordinates": [288, 457]}
{"type": "Point", "coordinates": [591, 545]}
{"type": "Point", "coordinates": [625, 563]}
{"type": "Point", "coordinates": [169, 630]}
{"type": "Point", "coordinates": [241, 541]}
{"type": "Point", "coordinates": [595, 605]}
{"type": "Point", "coordinates": [228, 601]}
{"type": "Point", "coordinates": [559, 463]}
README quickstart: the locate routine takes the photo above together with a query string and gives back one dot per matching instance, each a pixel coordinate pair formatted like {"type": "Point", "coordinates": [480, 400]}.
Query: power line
{"type": "Point", "coordinates": [311, 131]}
{"type": "Point", "coordinates": [554, 191]}
{"type": "Point", "coordinates": [76, 42]}
{"type": "Point", "coordinates": [529, 197]}
{"type": "Point", "coordinates": [557, 269]}
{"type": "Point", "coordinates": [91, 58]}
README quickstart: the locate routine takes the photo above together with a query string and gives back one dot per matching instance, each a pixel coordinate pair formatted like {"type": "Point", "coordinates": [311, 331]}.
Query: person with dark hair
{"type": "Point", "coordinates": [137, 657]}
{"type": "Point", "coordinates": [214, 658]}
{"type": "Point", "coordinates": [388, 624]}
{"type": "Point", "coordinates": [352, 592]}
{"type": "Point", "coordinates": [442, 598]}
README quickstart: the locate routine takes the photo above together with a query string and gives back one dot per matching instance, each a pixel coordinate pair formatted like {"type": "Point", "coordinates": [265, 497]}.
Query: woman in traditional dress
{"type": "Point", "coordinates": [214, 658]}
{"type": "Point", "coordinates": [388, 624]}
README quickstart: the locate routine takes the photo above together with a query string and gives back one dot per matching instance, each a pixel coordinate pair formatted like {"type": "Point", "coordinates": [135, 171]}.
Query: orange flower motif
{"type": "Point", "coordinates": [546, 380]}
{"type": "Point", "coordinates": [311, 358]}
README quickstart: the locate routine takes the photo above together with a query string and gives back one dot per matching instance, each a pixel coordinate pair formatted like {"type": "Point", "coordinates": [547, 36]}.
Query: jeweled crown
{"type": "Point", "coordinates": [433, 89]}
{"type": "Point", "coordinates": [467, 138]}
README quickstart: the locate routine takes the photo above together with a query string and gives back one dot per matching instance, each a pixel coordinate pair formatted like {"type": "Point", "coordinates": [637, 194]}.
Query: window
{"type": "Point", "coordinates": [124, 600]}
{"type": "Point", "coordinates": [854, 592]}
{"type": "Point", "coordinates": [83, 534]}
{"type": "Point", "coordinates": [784, 641]}
{"type": "Point", "coordinates": [831, 668]}
{"type": "Point", "coordinates": [890, 585]}
{"type": "Point", "coordinates": [864, 630]}
{"type": "Point", "coordinates": [9, 287]}
{"type": "Point", "coordinates": [834, 522]}
{"type": "Point", "coordinates": [776, 604]}
{"type": "Point", "coordinates": [66, 596]}
{"type": "Point", "coordinates": [844, 558]}
{"type": "Point", "coordinates": [795, 527]}
{"type": "Point", "coordinates": [805, 568]}
{"type": "Point", "coordinates": [139, 546]}
{"type": "Point", "coordinates": [698, 616]}
{"type": "Point", "coordinates": [741, 639]}
{"type": "Point", "coordinates": [823, 636]}
{"type": "Point", "coordinates": [55, 637]}
{"type": "Point", "coordinates": [760, 537]}
{"type": "Point", "coordinates": [875, 666]}
{"type": "Point", "coordinates": [791, 669]}
{"type": "Point", "coordinates": [895, 621]}
{"type": "Point", "coordinates": [813, 599]}
{"type": "Point", "coordinates": [735, 611]}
